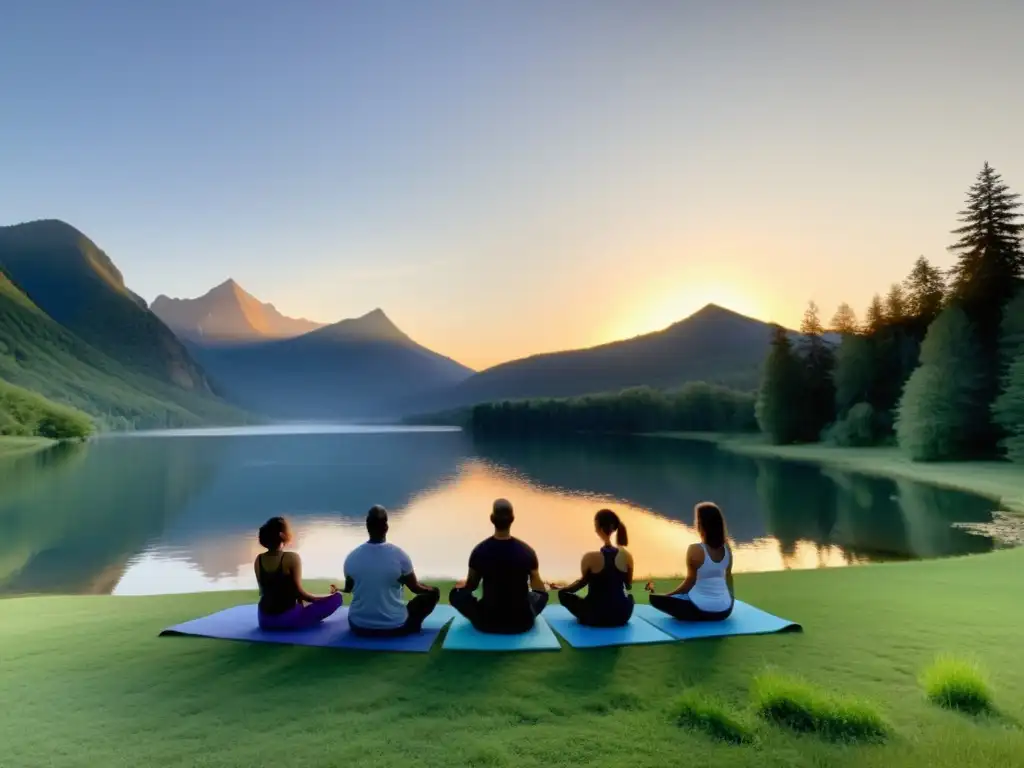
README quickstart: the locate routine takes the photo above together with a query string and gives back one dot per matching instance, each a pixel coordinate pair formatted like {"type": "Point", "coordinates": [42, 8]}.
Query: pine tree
{"type": "Point", "coordinates": [855, 372]}
{"type": "Point", "coordinates": [925, 292]}
{"type": "Point", "coordinates": [844, 321]}
{"type": "Point", "coordinates": [895, 304]}
{"type": "Point", "coordinates": [874, 320]}
{"type": "Point", "coordinates": [941, 415]}
{"type": "Point", "coordinates": [990, 261]}
{"type": "Point", "coordinates": [1008, 409]}
{"type": "Point", "coordinates": [779, 397]}
{"type": "Point", "coordinates": [818, 408]}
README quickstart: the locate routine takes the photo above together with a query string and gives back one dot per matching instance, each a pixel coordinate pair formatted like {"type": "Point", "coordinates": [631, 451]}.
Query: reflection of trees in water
{"type": "Point", "coordinates": [930, 513]}
{"type": "Point", "coordinates": [665, 476]}
{"type": "Point", "coordinates": [798, 504]}
{"type": "Point", "coordinates": [84, 511]}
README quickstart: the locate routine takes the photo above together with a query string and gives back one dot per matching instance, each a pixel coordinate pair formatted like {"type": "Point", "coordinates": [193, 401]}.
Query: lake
{"type": "Point", "coordinates": [178, 511]}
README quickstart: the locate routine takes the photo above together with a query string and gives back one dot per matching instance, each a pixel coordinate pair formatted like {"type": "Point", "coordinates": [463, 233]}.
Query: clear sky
{"type": "Point", "coordinates": [504, 178]}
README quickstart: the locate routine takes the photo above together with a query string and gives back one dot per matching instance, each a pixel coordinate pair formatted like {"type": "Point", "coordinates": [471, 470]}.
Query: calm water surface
{"type": "Point", "coordinates": [178, 511]}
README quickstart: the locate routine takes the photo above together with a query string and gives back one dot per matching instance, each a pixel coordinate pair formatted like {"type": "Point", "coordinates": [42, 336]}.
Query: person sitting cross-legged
{"type": "Point", "coordinates": [375, 573]}
{"type": "Point", "coordinates": [513, 592]}
{"type": "Point", "coordinates": [707, 594]}
{"type": "Point", "coordinates": [607, 574]}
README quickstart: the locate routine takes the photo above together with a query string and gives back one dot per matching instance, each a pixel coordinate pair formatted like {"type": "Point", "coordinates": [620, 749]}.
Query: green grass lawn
{"type": "Point", "coordinates": [995, 479]}
{"type": "Point", "coordinates": [85, 681]}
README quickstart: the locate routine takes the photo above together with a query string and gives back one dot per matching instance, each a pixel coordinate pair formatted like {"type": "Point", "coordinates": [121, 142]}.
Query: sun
{"type": "Point", "coordinates": [654, 313]}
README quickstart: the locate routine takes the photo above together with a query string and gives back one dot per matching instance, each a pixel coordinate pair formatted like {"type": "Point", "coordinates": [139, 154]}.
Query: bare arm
{"type": "Point", "coordinates": [414, 585]}
{"type": "Point", "coordinates": [629, 571]}
{"type": "Point", "coordinates": [728, 579]}
{"type": "Point", "coordinates": [691, 576]}
{"type": "Point", "coordinates": [582, 581]}
{"type": "Point", "coordinates": [350, 584]}
{"type": "Point", "coordinates": [536, 582]}
{"type": "Point", "coordinates": [472, 581]}
{"type": "Point", "coordinates": [296, 571]}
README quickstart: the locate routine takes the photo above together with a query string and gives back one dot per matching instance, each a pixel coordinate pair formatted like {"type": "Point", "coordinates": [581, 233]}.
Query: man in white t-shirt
{"type": "Point", "coordinates": [375, 573]}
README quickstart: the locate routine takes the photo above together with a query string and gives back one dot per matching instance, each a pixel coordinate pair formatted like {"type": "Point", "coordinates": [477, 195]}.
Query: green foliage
{"type": "Point", "coordinates": [38, 354]}
{"type": "Point", "coordinates": [859, 428]}
{"type": "Point", "coordinates": [959, 684]}
{"type": "Point", "coordinates": [854, 373]}
{"type": "Point", "coordinates": [1008, 409]}
{"type": "Point", "coordinates": [818, 399]}
{"type": "Point", "coordinates": [796, 704]}
{"type": "Point", "coordinates": [874, 318]}
{"type": "Point", "coordinates": [844, 321]}
{"type": "Point", "coordinates": [895, 304]}
{"type": "Point", "coordinates": [780, 397]}
{"type": "Point", "coordinates": [694, 407]}
{"type": "Point", "coordinates": [24, 413]}
{"type": "Point", "coordinates": [943, 406]}
{"type": "Point", "coordinates": [700, 712]}
{"type": "Point", "coordinates": [925, 289]}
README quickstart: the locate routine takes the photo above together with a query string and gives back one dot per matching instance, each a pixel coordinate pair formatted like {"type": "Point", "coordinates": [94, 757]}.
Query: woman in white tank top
{"type": "Point", "coordinates": [707, 593]}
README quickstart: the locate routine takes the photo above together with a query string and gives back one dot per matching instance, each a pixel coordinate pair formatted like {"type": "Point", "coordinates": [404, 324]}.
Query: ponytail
{"type": "Point", "coordinates": [621, 537]}
{"type": "Point", "coordinates": [608, 523]}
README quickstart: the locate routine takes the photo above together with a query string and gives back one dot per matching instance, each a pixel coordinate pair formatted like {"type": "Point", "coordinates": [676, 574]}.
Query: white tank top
{"type": "Point", "coordinates": [711, 592]}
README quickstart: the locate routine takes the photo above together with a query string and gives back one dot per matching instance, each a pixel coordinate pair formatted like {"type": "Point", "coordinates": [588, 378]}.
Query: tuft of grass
{"type": "Point", "coordinates": [802, 707]}
{"type": "Point", "coordinates": [703, 713]}
{"type": "Point", "coordinates": [956, 683]}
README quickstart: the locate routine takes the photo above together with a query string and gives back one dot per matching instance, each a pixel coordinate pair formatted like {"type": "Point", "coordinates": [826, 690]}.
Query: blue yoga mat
{"type": "Point", "coordinates": [636, 632]}
{"type": "Point", "coordinates": [745, 620]}
{"type": "Point", "coordinates": [240, 623]}
{"type": "Point", "coordinates": [463, 637]}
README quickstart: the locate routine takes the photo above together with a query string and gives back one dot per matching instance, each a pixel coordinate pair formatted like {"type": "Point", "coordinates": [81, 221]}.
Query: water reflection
{"type": "Point", "coordinates": [145, 515]}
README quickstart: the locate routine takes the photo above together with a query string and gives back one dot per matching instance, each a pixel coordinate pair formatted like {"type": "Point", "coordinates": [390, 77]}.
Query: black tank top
{"type": "Point", "coordinates": [609, 585]}
{"type": "Point", "coordinates": [277, 589]}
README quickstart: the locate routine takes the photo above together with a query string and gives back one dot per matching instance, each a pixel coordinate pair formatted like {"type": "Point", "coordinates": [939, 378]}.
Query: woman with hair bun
{"type": "Point", "coordinates": [608, 576]}
{"type": "Point", "coordinates": [284, 604]}
{"type": "Point", "coordinates": [707, 593]}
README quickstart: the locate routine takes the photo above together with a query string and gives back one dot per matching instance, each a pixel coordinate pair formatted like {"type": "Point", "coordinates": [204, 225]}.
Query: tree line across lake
{"type": "Point", "coordinates": [936, 367]}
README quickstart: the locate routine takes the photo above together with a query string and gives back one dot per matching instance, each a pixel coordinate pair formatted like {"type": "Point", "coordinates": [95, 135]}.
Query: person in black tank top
{"type": "Point", "coordinates": [608, 577]}
{"type": "Point", "coordinates": [284, 604]}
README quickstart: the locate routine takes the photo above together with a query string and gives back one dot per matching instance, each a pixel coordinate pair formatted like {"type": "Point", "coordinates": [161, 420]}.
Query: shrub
{"type": "Point", "coordinates": [701, 713]}
{"type": "Point", "coordinates": [860, 427]}
{"type": "Point", "coordinates": [802, 707]}
{"type": "Point", "coordinates": [957, 684]}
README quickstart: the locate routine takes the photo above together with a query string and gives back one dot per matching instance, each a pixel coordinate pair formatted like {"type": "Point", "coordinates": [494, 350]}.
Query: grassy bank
{"type": "Point", "coordinates": [997, 480]}
{"type": "Point", "coordinates": [86, 681]}
{"type": "Point", "coordinates": [12, 445]}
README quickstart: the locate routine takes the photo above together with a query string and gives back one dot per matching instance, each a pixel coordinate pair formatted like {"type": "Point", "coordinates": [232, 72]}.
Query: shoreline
{"type": "Point", "coordinates": [12, 446]}
{"type": "Point", "coordinates": [999, 481]}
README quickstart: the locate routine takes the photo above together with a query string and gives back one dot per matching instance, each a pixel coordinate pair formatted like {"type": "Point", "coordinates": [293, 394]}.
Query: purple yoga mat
{"type": "Point", "coordinates": [240, 623]}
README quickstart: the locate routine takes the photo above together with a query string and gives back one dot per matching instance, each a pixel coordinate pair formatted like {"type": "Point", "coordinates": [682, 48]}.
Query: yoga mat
{"type": "Point", "coordinates": [636, 632]}
{"type": "Point", "coordinates": [745, 620]}
{"type": "Point", "coordinates": [463, 637]}
{"type": "Point", "coordinates": [240, 623]}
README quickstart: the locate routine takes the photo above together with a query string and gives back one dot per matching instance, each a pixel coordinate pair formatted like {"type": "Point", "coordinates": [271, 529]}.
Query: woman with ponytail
{"type": "Point", "coordinates": [608, 576]}
{"type": "Point", "coordinates": [284, 604]}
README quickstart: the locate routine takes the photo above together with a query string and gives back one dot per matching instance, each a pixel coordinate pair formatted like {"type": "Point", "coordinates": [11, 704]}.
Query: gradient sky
{"type": "Point", "coordinates": [506, 178]}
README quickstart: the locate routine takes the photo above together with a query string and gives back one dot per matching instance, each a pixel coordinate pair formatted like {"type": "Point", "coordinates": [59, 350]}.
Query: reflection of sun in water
{"type": "Point", "coordinates": [439, 527]}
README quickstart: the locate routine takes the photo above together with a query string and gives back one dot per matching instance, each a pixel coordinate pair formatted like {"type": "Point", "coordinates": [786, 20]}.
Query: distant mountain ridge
{"type": "Point", "coordinates": [714, 344]}
{"type": "Point", "coordinates": [354, 369]}
{"type": "Point", "coordinates": [228, 313]}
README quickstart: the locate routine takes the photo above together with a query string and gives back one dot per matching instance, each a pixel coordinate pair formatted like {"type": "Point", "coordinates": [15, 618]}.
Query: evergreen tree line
{"type": "Point", "coordinates": [938, 363]}
{"type": "Point", "coordinates": [696, 406]}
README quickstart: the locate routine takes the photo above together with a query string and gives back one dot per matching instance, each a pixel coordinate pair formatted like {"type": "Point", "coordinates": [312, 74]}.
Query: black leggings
{"type": "Point", "coordinates": [492, 622]}
{"type": "Point", "coordinates": [685, 610]}
{"type": "Point", "coordinates": [597, 614]}
{"type": "Point", "coordinates": [417, 610]}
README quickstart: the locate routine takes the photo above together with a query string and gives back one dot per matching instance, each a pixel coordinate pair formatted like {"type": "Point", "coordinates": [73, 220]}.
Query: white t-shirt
{"type": "Point", "coordinates": [377, 598]}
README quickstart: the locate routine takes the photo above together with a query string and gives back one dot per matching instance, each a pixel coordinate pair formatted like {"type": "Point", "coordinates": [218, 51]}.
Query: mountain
{"type": "Point", "coordinates": [74, 282]}
{"type": "Point", "coordinates": [118, 380]}
{"type": "Point", "coordinates": [715, 345]}
{"type": "Point", "coordinates": [227, 313]}
{"type": "Point", "coordinates": [357, 368]}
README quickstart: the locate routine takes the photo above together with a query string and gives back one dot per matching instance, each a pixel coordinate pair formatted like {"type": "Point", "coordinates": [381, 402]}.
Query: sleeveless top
{"type": "Point", "coordinates": [277, 588]}
{"type": "Point", "coordinates": [711, 592]}
{"type": "Point", "coordinates": [608, 586]}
